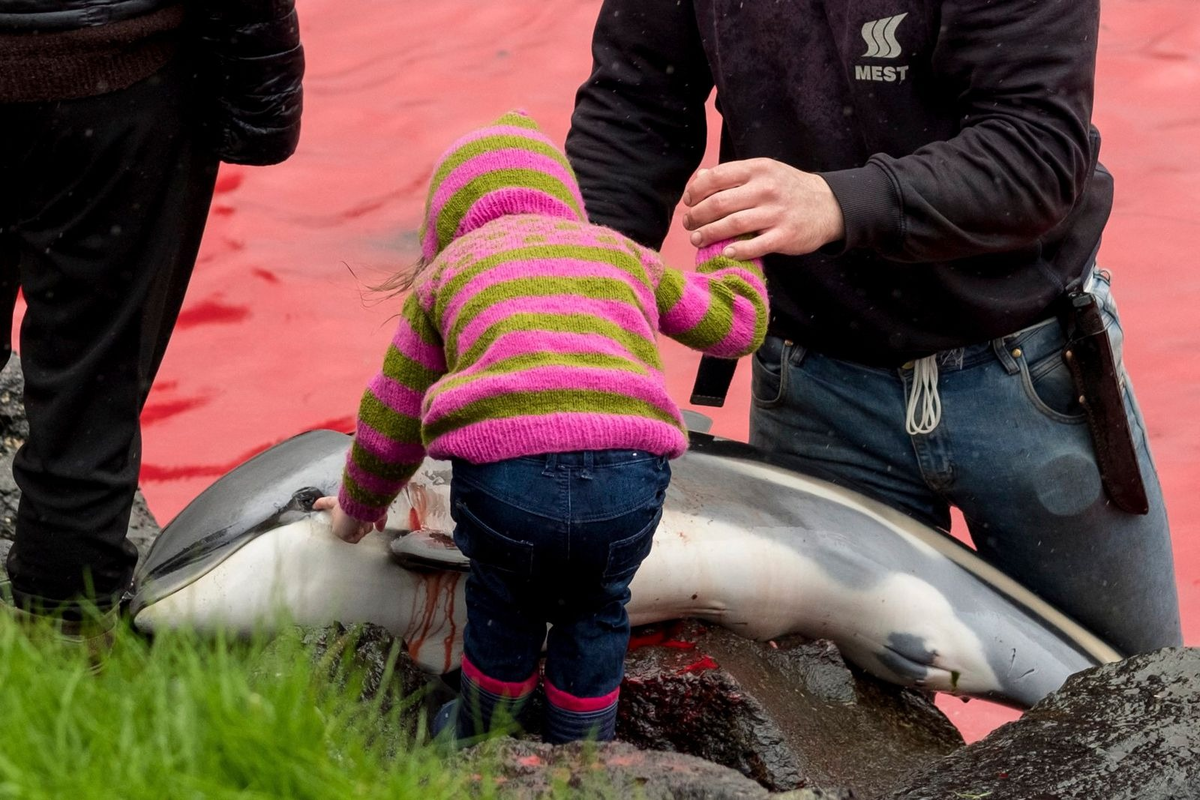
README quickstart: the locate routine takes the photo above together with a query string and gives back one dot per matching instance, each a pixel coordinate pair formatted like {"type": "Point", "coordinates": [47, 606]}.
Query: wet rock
{"type": "Point", "coordinates": [14, 430]}
{"type": "Point", "coordinates": [787, 714]}
{"type": "Point", "coordinates": [143, 528]}
{"type": "Point", "coordinates": [405, 694]}
{"type": "Point", "coordinates": [1125, 731]}
{"type": "Point", "coordinates": [525, 770]}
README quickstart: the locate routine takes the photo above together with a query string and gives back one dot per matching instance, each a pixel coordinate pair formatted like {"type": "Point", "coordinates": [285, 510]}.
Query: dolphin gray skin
{"type": "Point", "coordinates": [751, 545]}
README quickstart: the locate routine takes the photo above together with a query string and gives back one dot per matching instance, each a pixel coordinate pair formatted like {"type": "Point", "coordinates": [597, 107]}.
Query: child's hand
{"type": "Point", "coordinates": [346, 527]}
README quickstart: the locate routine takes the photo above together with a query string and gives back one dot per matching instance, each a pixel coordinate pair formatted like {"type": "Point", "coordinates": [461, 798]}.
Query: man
{"type": "Point", "coordinates": [922, 178]}
{"type": "Point", "coordinates": [108, 157]}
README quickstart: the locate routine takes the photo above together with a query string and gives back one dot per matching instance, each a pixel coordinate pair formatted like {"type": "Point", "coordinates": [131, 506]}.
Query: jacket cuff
{"type": "Point", "coordinates": [871, 208]}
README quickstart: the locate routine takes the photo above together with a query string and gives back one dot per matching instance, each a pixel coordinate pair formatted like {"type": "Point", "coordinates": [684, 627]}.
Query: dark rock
{"type": "Point", "coordinates": [388, 676]}
{"type": "Point", "coordinates": [14, 430]}
{"type": "Point", "coordinates": [143, 528]}
{"type": "Point", "coordinates": [788, 714]}
{"type": "Point", "coordinates": [525, 770]}
{"type": "Point", "coordinates": [1125, 731]}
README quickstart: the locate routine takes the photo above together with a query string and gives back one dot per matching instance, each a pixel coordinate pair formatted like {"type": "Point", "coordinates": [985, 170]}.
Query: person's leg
{"type": "Point", "coordinates": [507, 516]}
{"type": "Point", "coordinates": [616, 503]}
{"type": "Point", "coordinates": [501, 646]}
{"type": "Point", "coordinates": [842, 422]}
{"type": "Point", "coordinates": [115, 194]}
{"type": "Point", "coordinates": [1028, 485]}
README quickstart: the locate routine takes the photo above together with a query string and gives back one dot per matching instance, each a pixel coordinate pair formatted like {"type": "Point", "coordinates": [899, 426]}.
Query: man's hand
{"type": "Point", "coordinates": [346, 527]}
{"type": "Point", "coordinates": [789, 211]}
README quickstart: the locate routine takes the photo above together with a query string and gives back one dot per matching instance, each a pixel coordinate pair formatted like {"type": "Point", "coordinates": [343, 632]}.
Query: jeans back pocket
{"type": "Point", "coordinates": [626, 555]}
{"type": "Point", "coordinates": [481, 542]}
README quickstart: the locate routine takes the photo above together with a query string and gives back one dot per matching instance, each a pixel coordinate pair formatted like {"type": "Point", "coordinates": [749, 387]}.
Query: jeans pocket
{"type": "Point", "coordinates": [626, 555]}
{"type": "Point", "coordinates": [481, 542]}
{"type": "Point", "coordinates": [1051, 389]}
{"type": "Point", "coordinates": [769, 376]}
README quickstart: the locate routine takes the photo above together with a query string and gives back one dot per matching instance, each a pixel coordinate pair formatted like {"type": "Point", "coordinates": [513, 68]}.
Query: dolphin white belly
{"type": "Point", "coordinates": [748, 545]}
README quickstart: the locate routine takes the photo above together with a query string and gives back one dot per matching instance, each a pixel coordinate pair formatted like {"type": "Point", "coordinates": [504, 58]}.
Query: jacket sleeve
{"type": "Point", "coordinates": [387, 447]}
{"type": "Point", "coordinates": [720, 309]}
{"type": "Point", "coordinates": [1021, 73]}
{"type": "Point", "coordinates": [639, 126]}
{"type": "Point", "coordinates": [252, 66]}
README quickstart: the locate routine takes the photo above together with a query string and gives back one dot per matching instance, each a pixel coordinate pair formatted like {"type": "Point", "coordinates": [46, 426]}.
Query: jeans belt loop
{"type": "Point", "coordinates": [1005, 356]}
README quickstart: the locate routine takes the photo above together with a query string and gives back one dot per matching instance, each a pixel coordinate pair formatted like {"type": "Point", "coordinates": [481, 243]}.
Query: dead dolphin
{"type": "Point", "coordinates": [747, 544]}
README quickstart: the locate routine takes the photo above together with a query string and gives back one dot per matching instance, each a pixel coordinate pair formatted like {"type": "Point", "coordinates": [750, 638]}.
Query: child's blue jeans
{"type": "Point", "coordinates": [553, 539]}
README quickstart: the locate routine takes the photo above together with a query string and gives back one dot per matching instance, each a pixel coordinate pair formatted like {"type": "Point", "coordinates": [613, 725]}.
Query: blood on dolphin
{"type": "Point", "coordinates": [768, 552]}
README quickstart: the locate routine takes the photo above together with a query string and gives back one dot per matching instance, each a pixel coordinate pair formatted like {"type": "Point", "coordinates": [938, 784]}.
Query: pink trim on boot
{"type": "Point", "coordinates": [500, 688]}
{"type": "Point", "coordinates": [570, 702]}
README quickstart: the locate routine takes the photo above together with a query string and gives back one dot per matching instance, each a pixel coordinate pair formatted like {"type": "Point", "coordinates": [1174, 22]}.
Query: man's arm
{"type": "Point", "coordinates": [1023, 73]}
{"type": "Point", "coordinates": [639, 128]}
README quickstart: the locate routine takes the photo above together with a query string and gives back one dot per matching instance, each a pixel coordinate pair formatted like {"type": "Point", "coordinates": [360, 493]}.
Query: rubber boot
{"type": "Point", "coordinates": [88, 630]}
{"type": "Point", "coordinates": [572, 719]}
{"type": "Point", "coordinates": [479, 713]}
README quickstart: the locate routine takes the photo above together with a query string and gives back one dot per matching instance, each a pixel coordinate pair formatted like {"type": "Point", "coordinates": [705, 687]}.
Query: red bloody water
{"type": "Point", "coordinates": [278, 337]}
{"type": "Point", "coordinates": [703, 664]}
{"type": "Point", "coordinates": [660, 636]}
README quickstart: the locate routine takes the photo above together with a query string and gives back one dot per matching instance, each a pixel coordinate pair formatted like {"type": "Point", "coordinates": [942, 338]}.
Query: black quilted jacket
{"type": "Point", "coordinates": [254, 62]}
{"type": "Point", "coordinates": [64, 15]}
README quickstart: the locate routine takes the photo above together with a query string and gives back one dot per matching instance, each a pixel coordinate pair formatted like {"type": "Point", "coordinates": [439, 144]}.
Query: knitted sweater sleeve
{"type": "Point", "coordinates": [720, 309]}
{"type": "Point", "coordinates": [387, 448]}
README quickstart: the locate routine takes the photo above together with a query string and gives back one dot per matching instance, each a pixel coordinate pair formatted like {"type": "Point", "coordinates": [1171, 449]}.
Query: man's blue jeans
{"type": "Point", "coordinates": [555, 540]}
{"type": "Point", "coordinates": [1012, 452]}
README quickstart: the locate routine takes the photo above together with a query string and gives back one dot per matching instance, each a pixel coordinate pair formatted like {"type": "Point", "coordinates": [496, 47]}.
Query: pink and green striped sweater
{"type": "Point", "coordinates": [532, 331]}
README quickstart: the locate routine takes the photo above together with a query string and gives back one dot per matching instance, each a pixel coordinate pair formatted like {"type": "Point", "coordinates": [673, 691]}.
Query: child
{"type": "Point", "coordinates": [526, 355]}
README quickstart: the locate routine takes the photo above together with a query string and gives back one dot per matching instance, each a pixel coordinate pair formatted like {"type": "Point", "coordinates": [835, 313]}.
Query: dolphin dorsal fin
{"type": "Point", "coordinates": [428, 550]}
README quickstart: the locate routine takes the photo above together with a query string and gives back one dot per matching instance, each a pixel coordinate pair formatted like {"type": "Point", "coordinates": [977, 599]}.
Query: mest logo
{"type": "Point", "coordinates": [880, 36]}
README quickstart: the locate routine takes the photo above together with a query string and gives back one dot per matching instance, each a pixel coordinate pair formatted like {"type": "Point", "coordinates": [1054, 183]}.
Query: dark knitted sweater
{"type": "Point", "coordinates": [88, 61]}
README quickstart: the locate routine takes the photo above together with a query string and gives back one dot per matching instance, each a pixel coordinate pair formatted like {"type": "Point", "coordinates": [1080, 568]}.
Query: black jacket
{"type": "Point", "coordinates": [247, 53]}
{"type": "Point", "coordinates": [46, 16]}
{"type": "Point", "coordinates": [251, 57]}
{"type": "Point", "coordinates": [955, 134]}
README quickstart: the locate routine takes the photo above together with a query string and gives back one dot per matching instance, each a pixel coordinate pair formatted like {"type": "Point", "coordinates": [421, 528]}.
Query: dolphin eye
{"type": "Point", "coordinates": [303, 499]}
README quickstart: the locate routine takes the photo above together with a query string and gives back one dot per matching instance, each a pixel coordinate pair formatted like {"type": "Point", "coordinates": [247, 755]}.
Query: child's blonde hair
{"type": "Point", "coordinates": [403, 280]}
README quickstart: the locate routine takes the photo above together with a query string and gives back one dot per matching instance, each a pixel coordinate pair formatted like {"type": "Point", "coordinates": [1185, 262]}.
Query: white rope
{"type": "Point", "coordinates": [924, 396]}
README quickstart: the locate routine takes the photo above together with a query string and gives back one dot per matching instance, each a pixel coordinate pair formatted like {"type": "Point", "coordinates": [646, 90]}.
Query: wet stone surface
{"type": "Point", "coordinates": [788, 714]}
{"type": "Point", "coordinates": [388, 675]}
{"type": "Point", "coordinates": [524, 770]}
{"type": "Point", "coordinates": [14, 429]}
{"type": "Point", "coordinates": [1125, 731]}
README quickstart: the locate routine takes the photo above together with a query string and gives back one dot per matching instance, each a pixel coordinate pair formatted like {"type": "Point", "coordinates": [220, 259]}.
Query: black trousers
{"type": "Point", "coordinates": [103, 202]}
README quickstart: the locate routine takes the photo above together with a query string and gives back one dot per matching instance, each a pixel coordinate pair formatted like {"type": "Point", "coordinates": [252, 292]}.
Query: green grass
{"type": "Point", "coordinates": [191, 717]}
